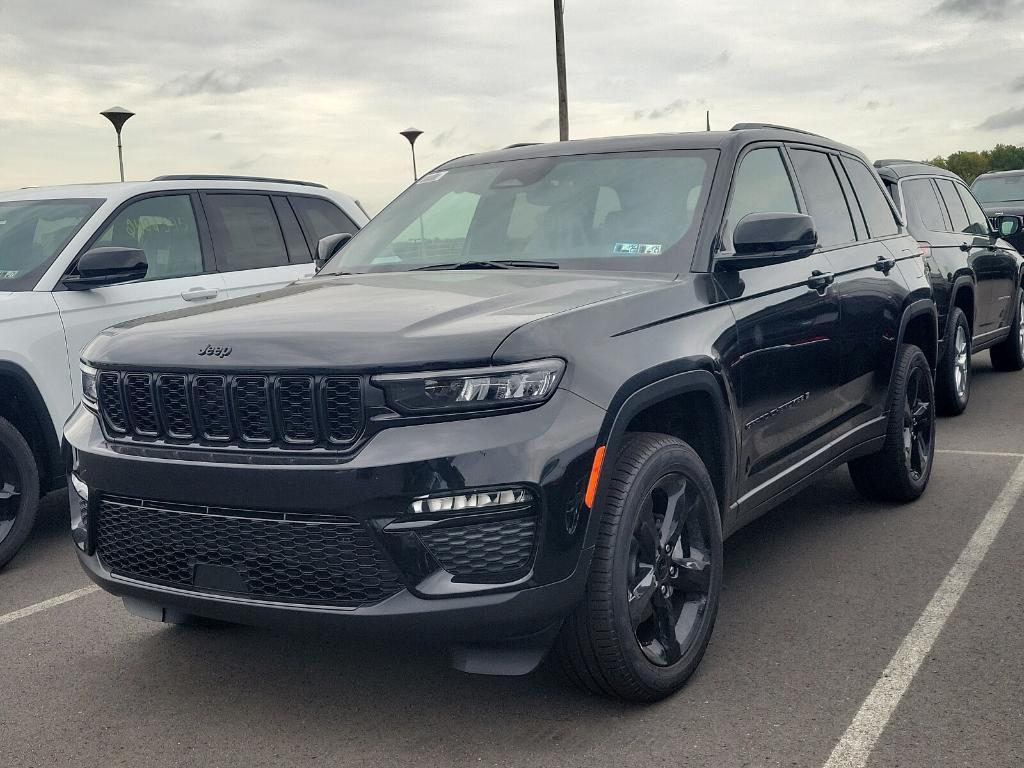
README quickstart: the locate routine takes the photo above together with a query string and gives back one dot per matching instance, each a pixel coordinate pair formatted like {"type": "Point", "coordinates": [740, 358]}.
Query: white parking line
{"type": "Point", "coordinates": [67, 597]}
{"type": "Point", "coordinates": [860, 738]}
{"type": "Point", "coordinates": [980, 453]}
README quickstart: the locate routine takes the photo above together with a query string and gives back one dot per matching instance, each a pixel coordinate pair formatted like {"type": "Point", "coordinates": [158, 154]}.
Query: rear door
{"type": "Point", "coordinates": [180, 275]}
{"type": "Point", "coordinates": [255, 248]}
{"type": "Point", "coordinates": [855, 221]}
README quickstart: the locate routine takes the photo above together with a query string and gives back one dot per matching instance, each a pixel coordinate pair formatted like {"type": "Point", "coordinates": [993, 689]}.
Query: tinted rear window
{"type": "Point", "coordinates": [824, 197]}
{"type": "Point", "coordinates": [875, 207]}
{"type": "Point", "coordinates": [246, 233]}
{"type": "Point", "coordinates": [923, 207]}
{"type": "Point", "coordinates": [954, 205]}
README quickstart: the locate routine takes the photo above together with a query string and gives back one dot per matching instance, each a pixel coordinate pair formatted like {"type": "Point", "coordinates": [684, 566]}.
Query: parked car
{"type": "Point", "coordinates": [975, 275]}
{"type": "Point", "coordinates": [521, 408]}
{"type": "Point", "coordinates": [1001, 194]}
{"type": "Point", "coordinates": [75, 259]}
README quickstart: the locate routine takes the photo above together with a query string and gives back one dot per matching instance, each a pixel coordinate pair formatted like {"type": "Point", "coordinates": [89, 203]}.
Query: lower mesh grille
{"type": "Point", "coordinates": [266, 557]}
{"type": "Point", "coordinates": [483, 548]}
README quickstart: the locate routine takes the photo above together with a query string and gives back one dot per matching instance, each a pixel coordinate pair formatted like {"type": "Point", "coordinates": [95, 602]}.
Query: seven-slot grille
{"type": "Point", "coordinates": [245, 410]}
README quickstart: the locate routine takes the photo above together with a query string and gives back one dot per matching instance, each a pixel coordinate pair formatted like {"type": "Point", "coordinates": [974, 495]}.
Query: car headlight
{"type": "Point", "coordinates": [474, 389]}
{"type": "Point", "coordinates": [89, 394]}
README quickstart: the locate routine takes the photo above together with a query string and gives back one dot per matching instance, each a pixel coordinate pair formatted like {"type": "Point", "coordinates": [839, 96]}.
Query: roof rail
{"type": "Point", "coordinates": [895, 160]}
{"type": "Point", "coordinates": [749, 126]}
{"type": "Point", "coordinates": [220, 177]}
{"type": "Point", "coordinates": [522, 144]}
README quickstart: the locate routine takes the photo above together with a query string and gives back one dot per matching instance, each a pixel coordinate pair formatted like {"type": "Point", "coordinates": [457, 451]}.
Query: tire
{"type": "Point", "coordinates": [953, 380]}
{"type": "Point", "coordinates": [19, 491]}
{"type": "Point", "coordinates": [900, 471]}
{"type": "Point", "coordinates": [637, 593]}
{"type": "Point", "coordinates": [1008, 355]}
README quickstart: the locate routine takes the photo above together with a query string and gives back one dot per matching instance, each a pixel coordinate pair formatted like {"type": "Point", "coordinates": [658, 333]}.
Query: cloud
{"type": "Point", "coordinates": [722, 58]}
{"type": "Point", "coordinates": [981, 9]}
{"type": "Point", "coordinates": [547, 124]}
{"type": "Point", "coordinates": [443, 139]}
{"type": "Point", "coordinates": [1008, 119]}
{"type": "Point", "coordinates": [872, 106]}
{"type": "Point", "coordinates": [216, 136]}
{"type": "Point", "coordinates": [214, 81]}
{"type": "Point", "coordinates": [245, 163]}
{"type": "Point", "coordinates": [660, 113]}
{"type": "Point", "coordinates": [1017, 84]}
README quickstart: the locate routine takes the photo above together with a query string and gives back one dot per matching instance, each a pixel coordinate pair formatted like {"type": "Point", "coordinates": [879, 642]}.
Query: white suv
{"type": "Point", "coordinates": [77, 259]}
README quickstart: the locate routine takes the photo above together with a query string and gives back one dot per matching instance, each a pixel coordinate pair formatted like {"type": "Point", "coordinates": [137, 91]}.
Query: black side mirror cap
{"type": "Point", "coordinates": [329, 246]}
{"type": "Point", "coordinates": [107, 266]}
{"type": "Point", "coordinates": [770, 238]}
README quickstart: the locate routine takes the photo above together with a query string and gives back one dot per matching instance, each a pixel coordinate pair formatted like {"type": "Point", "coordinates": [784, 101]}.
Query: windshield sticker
{"type": "Point", "coordinates": [638, 249]}
{"type": "Point", "coordinates": [426, 179]}
{"type": "Point", "coordinates": [9, 274]}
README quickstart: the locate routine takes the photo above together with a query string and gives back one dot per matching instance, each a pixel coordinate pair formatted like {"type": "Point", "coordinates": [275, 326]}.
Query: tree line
{"type": "Point", "coordinates": [969, 165]}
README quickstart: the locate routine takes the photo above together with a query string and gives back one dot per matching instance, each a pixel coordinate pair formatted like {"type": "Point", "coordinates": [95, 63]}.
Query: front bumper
{"type": "Point", "coordinates": [547, 450]}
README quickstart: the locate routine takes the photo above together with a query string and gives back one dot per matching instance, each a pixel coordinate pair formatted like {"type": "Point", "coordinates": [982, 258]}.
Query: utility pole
{"type": "Point", "coordinates": [411, 134]}
{"type": "Point", "coordinates": [118, 116]}
{"type": "Point", "coordinates": [709, 119]}
{"type": "Point", "coordinates": [563, 100]}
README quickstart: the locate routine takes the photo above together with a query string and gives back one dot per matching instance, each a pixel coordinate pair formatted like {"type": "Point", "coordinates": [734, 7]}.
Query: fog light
{"type": "Point", "coordinates": [478, 500]}
{"type": "Point", "coordinates": [78, 493]}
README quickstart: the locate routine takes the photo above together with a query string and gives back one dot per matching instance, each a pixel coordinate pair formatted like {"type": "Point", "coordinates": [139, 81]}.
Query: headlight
{"type": "Point", "coordinates": [473, 389]}
{"type": "Point", "coordinates": [89, 394]}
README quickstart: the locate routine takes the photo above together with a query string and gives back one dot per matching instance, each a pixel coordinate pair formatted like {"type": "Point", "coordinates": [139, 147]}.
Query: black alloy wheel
{"type": "Point", "coordinates": [918, 430]}
{"type": "Point", "coordinates": [670, 567]}
{"type": "Point", "coordinates": [655, 576]}
{"type": "Point", "coordinates": [19, 491]}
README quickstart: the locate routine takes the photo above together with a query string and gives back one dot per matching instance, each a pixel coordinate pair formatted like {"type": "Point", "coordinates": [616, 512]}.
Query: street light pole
{"type": "Point", "coordinates": [412, 134]}
{"type": "Point", "coordinates": [563, 99]}
{"type": "Point", "coordinates": [118, 116]}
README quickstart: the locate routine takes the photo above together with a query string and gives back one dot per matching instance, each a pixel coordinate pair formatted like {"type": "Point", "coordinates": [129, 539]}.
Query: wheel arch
{"type": "Point", "coordinates": [22, 404]}
{"type": "Point", "coordinates": [963, 295]}
{"type": "Point", "coordinates": [660, 405]}
{"type": "Point", "coordinates": [919, 326]}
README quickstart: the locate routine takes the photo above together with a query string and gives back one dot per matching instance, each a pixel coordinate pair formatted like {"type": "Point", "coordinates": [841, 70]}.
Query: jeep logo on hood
{"type": "Point", "coordinates": [211, 351]}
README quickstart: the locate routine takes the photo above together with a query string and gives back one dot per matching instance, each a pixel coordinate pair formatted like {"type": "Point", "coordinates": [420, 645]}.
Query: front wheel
{"type": "Point", "coordinates": [655, 577]}
{"type": "Point", "coordinates": [900, 471]}
{"type": "Point", "coordinates": [19, 491]}
{"type": "Point", "coordinates": [1008, 355]}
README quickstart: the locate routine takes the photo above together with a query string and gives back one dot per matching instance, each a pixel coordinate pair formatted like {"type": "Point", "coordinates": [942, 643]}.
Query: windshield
{"type": "Point", "coordinates": [999, 189]}
{"type": "Point", "coordinates": [635, 211]}
{"type": "Point", "coordinates": [32, 233]}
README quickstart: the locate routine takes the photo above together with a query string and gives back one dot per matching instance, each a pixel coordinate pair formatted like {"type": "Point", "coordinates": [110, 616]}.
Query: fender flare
{"type": "Point", "coordinates": [54, 464]}
{"type": "Point", "coordinates": [627, 404]}
{"type": "Point", "coordinates": [958, 283]}
{"type": "Point", "coordinates": [912, 310]}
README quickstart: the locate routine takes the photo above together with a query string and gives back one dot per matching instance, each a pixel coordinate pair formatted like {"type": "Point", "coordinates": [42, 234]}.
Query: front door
{"type": "Point", "coordinates": [164, 226]}
{"type": "Point", "coordinates": [787, 320]}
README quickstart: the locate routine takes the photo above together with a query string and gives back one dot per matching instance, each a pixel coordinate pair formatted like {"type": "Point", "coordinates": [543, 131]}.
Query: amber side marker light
{"type": "Point", "coordinates": [595, 474]}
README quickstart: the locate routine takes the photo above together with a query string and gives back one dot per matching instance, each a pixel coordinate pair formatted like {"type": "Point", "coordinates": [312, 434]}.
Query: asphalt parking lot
{"type": "Point", "coordinates": [819, 598]}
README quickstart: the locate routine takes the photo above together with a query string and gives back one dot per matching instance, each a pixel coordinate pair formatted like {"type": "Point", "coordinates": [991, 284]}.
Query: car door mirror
{"type": "Point", "coordinates": [1008, 226]}
{"type": "Point", "coordinates": [770, 238]}
{"type": "Point", "coordinates": [329, 246]}
{"type": "Point", "coordinates": [107, 266]}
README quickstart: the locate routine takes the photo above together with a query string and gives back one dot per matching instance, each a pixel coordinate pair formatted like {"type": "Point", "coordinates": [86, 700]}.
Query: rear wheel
{"type": "Point", "coordinates": [953, 382]}
{"type": "Point", "coordinates": [655, 577]}
{"type": "Point", "coordinates": [19, 491]}
{"type": "Point", "coordinates": [1008, 355]}
{"type": "Point", "coordinates": [900, 471]}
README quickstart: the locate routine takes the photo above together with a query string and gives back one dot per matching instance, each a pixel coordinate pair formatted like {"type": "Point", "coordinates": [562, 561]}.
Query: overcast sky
{"type": "Point", "coordinates": [318, 89]}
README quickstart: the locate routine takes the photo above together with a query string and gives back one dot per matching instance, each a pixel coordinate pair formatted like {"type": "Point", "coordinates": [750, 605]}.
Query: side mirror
{"type": "Point", "coordinates": [1008, 226]}
{"type": "Point", "coordinates": [770, 238]}
{"type": "Point", "coordinates": [107, 266]}
{"type": "Point", "coordinates": [329, 246]}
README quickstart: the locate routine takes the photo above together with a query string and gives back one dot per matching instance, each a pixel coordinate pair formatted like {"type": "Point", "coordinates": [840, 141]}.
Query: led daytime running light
{"type": "Point", "coordinates": [472, 501]}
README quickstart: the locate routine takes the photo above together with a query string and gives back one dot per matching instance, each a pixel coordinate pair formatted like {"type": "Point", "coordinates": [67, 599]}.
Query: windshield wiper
{"type": "Point", "coordinates": [495, 264]}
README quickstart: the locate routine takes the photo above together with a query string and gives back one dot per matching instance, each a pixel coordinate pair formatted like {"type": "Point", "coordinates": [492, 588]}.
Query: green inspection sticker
{"type": "Point", "coordinates": [638, 249]}
{"type": "Point", "coordinates": [9, 274]}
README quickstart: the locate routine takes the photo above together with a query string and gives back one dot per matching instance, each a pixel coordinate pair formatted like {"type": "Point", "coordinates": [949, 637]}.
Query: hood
{"type": "Point", "coordinates": [1011, 208]}
{"type": "Point", "coordinates": [367, 322]}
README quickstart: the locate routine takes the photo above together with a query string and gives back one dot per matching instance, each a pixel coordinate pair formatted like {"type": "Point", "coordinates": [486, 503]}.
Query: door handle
{"type": "Point", "coordinates": [885, 264]}
{"type": "Point", "coordinates": [965, 247]}
{"type": "Point", "coordinates": [198, 294]}
{"type": "Point", "coordinates": [819, 280]}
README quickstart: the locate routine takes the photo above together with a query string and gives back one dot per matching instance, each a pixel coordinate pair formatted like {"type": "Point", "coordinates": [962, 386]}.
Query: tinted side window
{"type": "Point", "coordinates": [954, 205]}
{"type": "Point", "coordinates": [321, 218]}
{"type": "Point", "coordinates": [163, 227]}
{"type": "Point", "coordinates": [922, 204]}
{"type": "Point", "coordinates": [824, 197]}
{"type": "Point", "coordinates": [761, 185]}
{"type": "Point", "coordinates": [246, 233]}
{"type": "Point", "coordinates": [978, 220]}
{"type": "Point", "coordinates": [872, 200]}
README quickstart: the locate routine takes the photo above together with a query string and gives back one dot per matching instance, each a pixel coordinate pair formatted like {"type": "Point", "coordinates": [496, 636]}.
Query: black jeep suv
{"type": "Point", "coordinates": [975, 274]}
{"type": "Point", "coordinates": [522, 407]}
